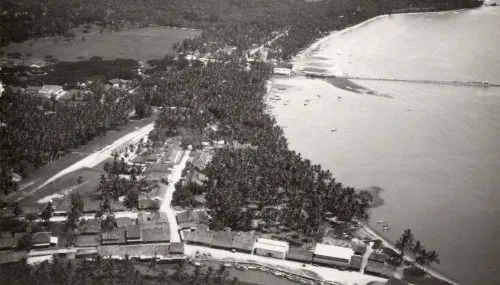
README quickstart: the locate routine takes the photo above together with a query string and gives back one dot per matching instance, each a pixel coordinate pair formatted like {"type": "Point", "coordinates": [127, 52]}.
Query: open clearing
{"type": "Point", "coordinates": [136, 43]}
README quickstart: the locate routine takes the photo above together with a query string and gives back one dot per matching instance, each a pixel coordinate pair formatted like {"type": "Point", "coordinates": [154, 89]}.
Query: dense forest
{"type": "Point", "coordinates": [109, 271]}
{"type": "Point", "coordinates": [35, 131]}
{"type": "Point", "coordinates": [240, 23]}
{"type": "Point", "coordinates": [70, 74]}
{"type": "Point", "coordinates": [230, 96]}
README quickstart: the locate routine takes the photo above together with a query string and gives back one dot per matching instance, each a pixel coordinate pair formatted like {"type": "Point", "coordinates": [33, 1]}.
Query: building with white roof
{"type": "Point", "coordinates": [282, 71]}
{"type": "Point", "coordinates": [271, 248]}
{"type": "Point", "coordinates": [332, 255]}
{"type": "Point", "coordinates": [49, 90]}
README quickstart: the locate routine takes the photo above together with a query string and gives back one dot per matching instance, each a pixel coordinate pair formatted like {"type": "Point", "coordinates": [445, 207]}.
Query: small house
{"type": "Point", "coordinates": [176, 248]}
{"type": "Point", "coordinates": [332, 255]}
{"type": "Point", "coordinates": [377, 257]}
{"type": "Point", "coordinates": [200, 237]}
{"type": "Point", "coordinates": [134, 234]}
{"type": "Point", "coordinates": [148, 204]}
{"type": "Point", "coordinates": [151, 218]}
{"type": "Point", "coordinates": [41, 239]}
{"type": "Point", "coordinates": [300, 255]}
{"type": "Point", "coordinates": [47, 91]}
{"type": "Point", "coordinates": [87, 240]}
{"type": "Point", "coordinates": [114, 237]}
{"type": "Point", "coordinates": [380, 269]}
{"type": "Point", "coordinates": [223, 240]}
{"type": "Point", "coordinates": [156, 233]}
{"type": "Point", "coordinates": [91, 227]}
{"type": "Point", "coordinates": [244, 242]}
{"type": "Point", "coordinates": [356, 262]}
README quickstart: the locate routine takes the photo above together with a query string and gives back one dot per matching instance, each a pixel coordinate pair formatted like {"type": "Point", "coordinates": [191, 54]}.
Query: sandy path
{"type": "Point", "coordinates": [166, 206]}
{"type": "Point", "coordinates": [95, 158]}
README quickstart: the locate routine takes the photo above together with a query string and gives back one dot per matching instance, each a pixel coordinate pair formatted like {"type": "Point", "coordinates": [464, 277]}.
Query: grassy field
{"type": "Point", "coordinates": [136, 43]}
{"type": "Point", "coordinates": [49, 170]}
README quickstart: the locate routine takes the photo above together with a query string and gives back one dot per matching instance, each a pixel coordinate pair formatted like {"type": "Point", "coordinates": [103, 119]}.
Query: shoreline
{"type": "Point", "coordinates": [298, 62]}
{"type": "Point", "coordinates": [431, 271]}
{"type": "Point", "coordinates": [298, 59]}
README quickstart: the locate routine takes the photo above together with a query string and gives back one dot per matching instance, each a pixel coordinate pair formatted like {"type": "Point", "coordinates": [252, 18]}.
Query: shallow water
{"type": "Point", "coordinates": [434, 149]}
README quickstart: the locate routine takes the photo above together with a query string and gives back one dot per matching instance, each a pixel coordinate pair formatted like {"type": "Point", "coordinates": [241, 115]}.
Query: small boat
{"type": "Point", "coordinates": [198, 264]}
{"type": "Point", "coordinates": [227, 265]}
{"type": "Point", "coordinates": [277, 273]}
{"type": "Point", "coordinates": [239, 267]}
{"type": "Point", "coordinates": [251, 267]}
{"type": "Point", "coordinates": [319, 96]}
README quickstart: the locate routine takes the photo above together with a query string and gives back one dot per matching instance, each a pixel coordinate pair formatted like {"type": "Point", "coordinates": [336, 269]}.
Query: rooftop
{"type": "Point", "coordinates": [134, 232]}
{"type": "Point", "coordinates": [87, 240]}
{"type": "Point", "coordinates": [271, 247]}
{"type": "Point", "coordinates": [223, 239]}
{"type": "Point", "coordinates": [381, 269]}
{"type": "Point", "coordinates": [244, 241]}
{"type": "Point", "coordinates": [333, 251]}
{"type": "Point", "coordinates": [356, 261]}
{"type": "Point", "coordinates": [176, 248]}
{"type": "Point", "coordinates": [148, 204]}
{"type": "Point", "coordinates": [191, 216]}
{"type": "Point", "coordinates": [41, 238]}
{"type": "Point", "coordinates": [203, 237]}
{"type": "Point", "coordinates": [123, 222]}
{"type": "Point", "coordinates": [6, 240]}
{"type": "Point", "coordinates": [134, 250]}
{"type": "Point", "coordinates": [156, 234]}
{"type": "Point", "coordinates": [151, 218]}
{"type": "Point", "coordinates": [300, 254]}
{"type": "Point", "coordinates": [92, 226]}
{"type": "Point", "coordinates": [116, 236]}
{"type": "Point", "coordinates": [378, 257]}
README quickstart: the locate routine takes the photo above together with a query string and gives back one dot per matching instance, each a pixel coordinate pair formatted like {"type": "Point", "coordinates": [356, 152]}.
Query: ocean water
{"type": "Point", "coordinates": [433, 149]}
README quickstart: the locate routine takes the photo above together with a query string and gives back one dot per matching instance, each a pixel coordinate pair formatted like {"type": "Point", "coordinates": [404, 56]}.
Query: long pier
{"type": "Point", "coordinates": [419, 81]}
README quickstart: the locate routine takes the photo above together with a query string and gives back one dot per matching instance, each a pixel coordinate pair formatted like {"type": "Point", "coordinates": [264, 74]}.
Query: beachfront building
{"type": "Point", "coordinates": [271, 248]}
{"type": "Point", "coordinates": [332, 255]}
{"type": "Point", "coordinates": [176, 248]}
{"type": "Point", "coordinates": [223, 240]}
{"type": "Point", "coordinates": [244, 242]}
{"type": "Point", "coordinates": [48, 91]}
{"type": "Point", "coordinates": [300, 255]}
{"type": "Point", "coordinates": [380, 269]}
{"type": "Point", "coordinates": [356, 262]}
{"type": "Point", "coordinates": [199, 237]}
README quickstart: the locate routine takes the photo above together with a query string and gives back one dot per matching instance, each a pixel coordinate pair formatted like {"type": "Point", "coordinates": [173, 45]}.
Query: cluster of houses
{"type": "Point", "coordinates": [334, 253]}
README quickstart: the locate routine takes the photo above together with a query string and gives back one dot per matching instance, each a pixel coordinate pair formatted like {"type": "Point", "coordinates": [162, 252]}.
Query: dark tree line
{"type": "Point", "coordinates": [36, 131]}
{"type": "Point", "coordinates": [408, 245]}
{"type": "Point", "coordinates": [104, 271]}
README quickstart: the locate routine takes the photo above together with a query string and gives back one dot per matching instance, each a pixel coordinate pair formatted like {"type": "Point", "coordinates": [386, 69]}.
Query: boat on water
{"type": "Point", "coordinates": [228, 265]}
{"type": "Point", "coordinates": [319, 95]}
{"type": "Point", "coordinates": [250, 267]}
{"type": "Point", "coordinates": [333, 130]}
{"type": "Point", "coordinates": [278, 273]}
{"type": "Point", "coordinates": [198, 264]}
{"type": "Point", "coordinates": [239, 267]}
